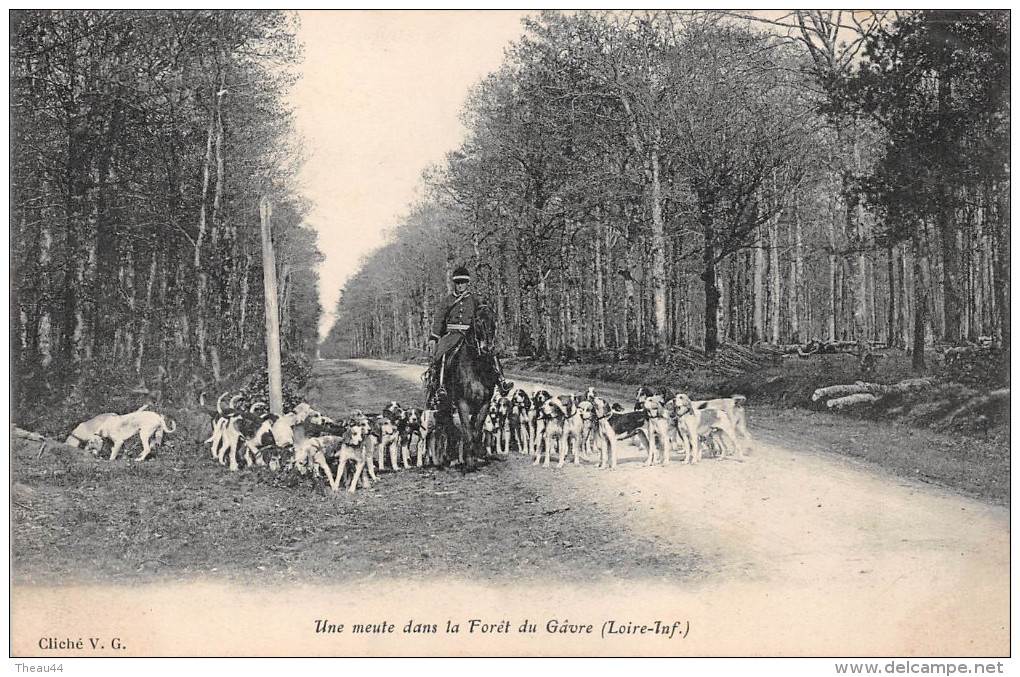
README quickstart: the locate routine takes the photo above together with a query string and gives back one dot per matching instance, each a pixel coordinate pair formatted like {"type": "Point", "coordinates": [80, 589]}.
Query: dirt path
{"type": "Point", "coordinates": [903, 560]}
{"type": "Point", "coordinates": [793, 552]}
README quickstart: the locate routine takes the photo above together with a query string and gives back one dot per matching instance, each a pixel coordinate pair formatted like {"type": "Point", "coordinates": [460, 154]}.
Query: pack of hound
{"type": "Point", "coordinates": [575, 426]}
{"type": "Point", "coordinates": [348, 452]}
{"type": "Point", "coordinates": [246, 434]}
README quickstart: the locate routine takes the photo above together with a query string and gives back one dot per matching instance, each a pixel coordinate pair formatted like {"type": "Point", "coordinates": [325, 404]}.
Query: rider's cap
{"type": "Point", "coordinates": [461, 274]}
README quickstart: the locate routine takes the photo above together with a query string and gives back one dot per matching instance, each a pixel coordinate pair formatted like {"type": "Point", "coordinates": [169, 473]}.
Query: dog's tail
{"type": "Point", "coordinates": [173, 425]}
{"type": "Point", "coordinates": [142, 408]}
{"type": "Point", "coordinates": [219, 402]}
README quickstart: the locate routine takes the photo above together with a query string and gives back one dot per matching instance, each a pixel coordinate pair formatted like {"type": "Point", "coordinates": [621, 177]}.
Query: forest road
{"type": "Point", "coordinates": [799, 552]}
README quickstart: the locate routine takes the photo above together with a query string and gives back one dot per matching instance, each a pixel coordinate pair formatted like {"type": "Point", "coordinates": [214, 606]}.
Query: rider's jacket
{"type": "Point", "coordinates": [455, 313]}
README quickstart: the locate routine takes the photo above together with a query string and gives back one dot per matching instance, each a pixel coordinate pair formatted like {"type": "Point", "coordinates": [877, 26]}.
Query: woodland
{"type": "Point", "coordinates": [141, 145]}
{"type": "Point", "coordinates": [630, 184]}
{"type": "Point", "coordinates": [635, 183]}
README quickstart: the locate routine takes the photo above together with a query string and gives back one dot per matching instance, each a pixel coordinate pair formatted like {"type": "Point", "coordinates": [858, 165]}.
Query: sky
{"type": "Point", "coordinates": [378, 101]}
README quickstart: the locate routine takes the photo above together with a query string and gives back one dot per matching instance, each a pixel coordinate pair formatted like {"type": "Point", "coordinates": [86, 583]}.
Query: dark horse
{"type": "Point", "coordinates": [469, 380]}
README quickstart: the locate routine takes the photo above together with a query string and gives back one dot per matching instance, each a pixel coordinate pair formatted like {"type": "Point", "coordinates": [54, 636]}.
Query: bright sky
{"type": "Point", "coordinates": [378, 102]}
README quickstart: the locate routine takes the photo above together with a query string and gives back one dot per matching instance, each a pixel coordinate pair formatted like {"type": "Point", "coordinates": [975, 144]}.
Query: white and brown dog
{"type": "Point", "coordinates": [147, 425]}
{"type": "Point", "coordinates": [427, 444]}
{"type": "Point", "coordinates": [603, 435]}
{"type": "Point", "coordinates": [368, 440]}
{"type": "Point", "coordinates": [492, 429]}
{"type": "Point", "coordinates": [589, 428]}
{"type": "Point", "coordinates": [314, 453]}
{"type": "Point", "coordinates": [657, 425]}
{"type": "Point", "coordinates": [733, 406]}
{"type": "Point", "coordinates": [521, 420]}
{"type": "Point", "coordinates": [713, 420]}
{"type": "Point", "coordinates": [385, 430]}
{"type": "Point", "coordinates": [503, 433]}
{"type": "Point", "coordinates": [85, 431]}
{"type": "Point", "coordinates": [538, 400]}
{"type": "Point", "coordinates": [562, 429]}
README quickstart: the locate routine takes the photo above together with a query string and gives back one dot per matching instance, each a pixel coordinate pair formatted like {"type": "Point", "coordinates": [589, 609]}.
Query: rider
{"type": "Point", "coordinates": [454, 318]}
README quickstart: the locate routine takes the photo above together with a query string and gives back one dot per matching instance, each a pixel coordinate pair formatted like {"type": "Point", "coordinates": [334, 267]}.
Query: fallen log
{"type": "Point", "coordinates": [860, 388]}
{"type": "Point", "coordinates": [844, 390]}
{"type": "Point", "coordinates": [29, 435]}
{"type": "Point", "coordinates": [849, 400]}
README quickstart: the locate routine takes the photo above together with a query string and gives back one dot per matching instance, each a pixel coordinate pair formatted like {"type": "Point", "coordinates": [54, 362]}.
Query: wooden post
{"type": "Point", "coordinates": [272, 311]}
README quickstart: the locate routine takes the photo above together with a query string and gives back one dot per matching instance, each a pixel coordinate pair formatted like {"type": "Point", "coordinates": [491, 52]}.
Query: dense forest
{"type": "Point", "coordinates": [633, 182]}
{"type": "Point", "coordinates": [141, 145]}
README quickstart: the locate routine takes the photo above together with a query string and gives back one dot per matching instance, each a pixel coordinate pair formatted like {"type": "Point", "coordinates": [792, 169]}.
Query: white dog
{"type": "Point", "coordinates": [700, 419]}
{"type": "Point", "coordinates": [148, 425]}
{"type": "Point", "coordinates": [85, 431]}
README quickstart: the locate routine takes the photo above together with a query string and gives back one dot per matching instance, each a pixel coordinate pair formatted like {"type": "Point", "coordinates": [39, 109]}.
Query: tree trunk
{"type": "Point", "coordinates": [833, 296]}
{"type": "Point", "coordinates": [796, 275]}
{"type": "Point", "coordinates": [629, 316]}
{"type": "Point", "coordinates": [905, 298]}
{"type": "Point", "coordinates": [774, 274]}
{"type": "Point", "coordinates": [1002, 257]}
{"type": "Point", "coordinates": [658, 244]}
{"type": "Point", "coordinates": [891, 315]}
{"type": "Point", "coordinates": [758, 333]}
{"type": "Point", "coordinates": [950, 268]}
{"type": "Point", "coordinates": [600, 293]}
{"type": "Point", "coordinates": [917, 361]}
{"type": "Point", "coordinates": [711, 289]}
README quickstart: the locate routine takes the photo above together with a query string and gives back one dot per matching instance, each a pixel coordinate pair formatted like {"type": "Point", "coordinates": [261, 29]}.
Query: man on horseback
{"type": "Point", "coordinates": [454, 319]}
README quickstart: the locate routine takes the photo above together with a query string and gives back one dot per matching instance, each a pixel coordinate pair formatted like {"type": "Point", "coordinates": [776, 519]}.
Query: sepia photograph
{"type": "Point", "coordinates": [463, 333]}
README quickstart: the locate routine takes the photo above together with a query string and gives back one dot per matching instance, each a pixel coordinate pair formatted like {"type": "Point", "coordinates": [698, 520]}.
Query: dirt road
{"type": "Point", "coordinates": [793, 552]}
{"type": "Point", "coordinates": [840, 553]}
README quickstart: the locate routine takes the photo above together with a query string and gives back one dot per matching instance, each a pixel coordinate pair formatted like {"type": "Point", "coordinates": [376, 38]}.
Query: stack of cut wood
{"type": "Point", "coordinates": [816, 347]}
{"type": "Point", "coordinates": [861, 392]}
{"type": "Point", "coordinates": [730, 359]}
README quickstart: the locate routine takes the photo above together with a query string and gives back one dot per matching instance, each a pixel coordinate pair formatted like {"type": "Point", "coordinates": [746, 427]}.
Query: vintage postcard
{"type": "Point", "coordinates": [511, 334]}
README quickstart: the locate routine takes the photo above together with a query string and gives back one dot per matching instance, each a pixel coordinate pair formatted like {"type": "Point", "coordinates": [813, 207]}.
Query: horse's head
{"type": "Point", "coordinates": [485, 329]}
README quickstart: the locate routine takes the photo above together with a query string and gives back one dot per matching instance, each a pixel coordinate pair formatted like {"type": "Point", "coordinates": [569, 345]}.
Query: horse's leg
{"type": "Point", "coordinates": [468, 435]}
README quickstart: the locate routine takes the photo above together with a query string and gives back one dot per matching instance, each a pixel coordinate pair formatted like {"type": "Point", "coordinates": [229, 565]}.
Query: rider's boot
{"type": "Point", "coordinates": [440, 395]}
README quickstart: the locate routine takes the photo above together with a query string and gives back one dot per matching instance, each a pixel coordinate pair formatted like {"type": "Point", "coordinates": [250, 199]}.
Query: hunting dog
{"type": "Point", "coordinates": [384, 428]}
{"type": "Point", "coordinates": [605, 435]}
{"type": "Point", "coordinates": [521, 420]}
{"type": "Point", "coordinates": [657, 420]}
{"type": "Point", "coordinates": [643, 393]}
{"type": "Point", "coordinates": [492, 429]}
{"type": "Point", "coordinates": [147, 425]}
{"type": "Point", "coordinates": [733, 406]}
{"type": "Point", "coordinates": [562, 428]}
{"type": "Point", "coordinates": [314, 453]}
{"type": "Point", "coordinates": [709, 419]}
{"type": "Point", "coordinates": [503, 407]}
{"type": "Point", "coordinates": [410, 430]}
{"type": "Point", "coordinates": [428, 442]}
{"type": "Point", "coordinates": [614, 425]}
{"type": "Point", "coordinates": [368, 440]}
{"type": "Point", "coordinates": [84, 431]}
{"type": "Point", "coordinates": [538, 400]}
{"type": "Point", "coordinates": [226, 439]}
{"type": "Point", "coordinates": [589, 427]}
